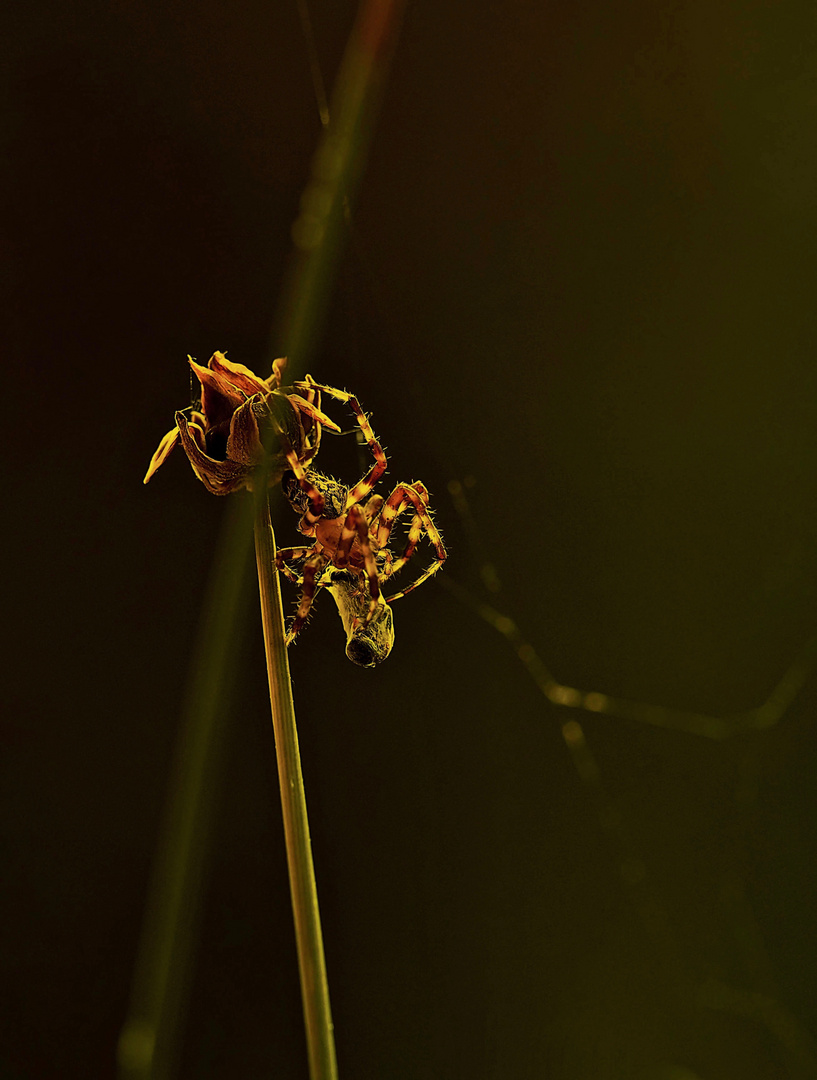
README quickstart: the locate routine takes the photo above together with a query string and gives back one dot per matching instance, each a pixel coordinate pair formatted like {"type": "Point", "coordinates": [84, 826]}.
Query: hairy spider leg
{"type": "Point", "coordinates": [382, 526]}
{"type": "Point", "coordinates": [394, 507]}
{"type": "Point", "coordinates": [384, 558]}
{"type": "Point", "coordinates": [397, 503]}
{"type": "Point", "coordinates": [372, 508]}
{"type": "Point", "coordinates": [283, 556]}
{"type": "Point", "coordinates": [356, 524]}
{"type": "Point", "coordinates": [311, 397]}
{"type": "Point", "coordinates": [363, 487]}
{"type": "Point", "coordinates": [417, 495]}
{"type": "Point", "coordinates": [309, 394]}
{"type": "Point", "coordinates": [309, 404]}
{"type": "Point", "coordinates": [310, 575]}
{"type": "Point", "coordinates": [316, 501]}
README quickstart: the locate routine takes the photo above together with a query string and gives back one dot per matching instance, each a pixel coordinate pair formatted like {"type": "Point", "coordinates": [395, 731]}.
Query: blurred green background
{"type": "Point", "coordinates": [581, 281]}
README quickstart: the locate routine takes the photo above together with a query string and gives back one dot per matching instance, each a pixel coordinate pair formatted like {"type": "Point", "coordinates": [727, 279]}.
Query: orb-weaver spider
{"type": "Point", "coordinates": [350, 554]}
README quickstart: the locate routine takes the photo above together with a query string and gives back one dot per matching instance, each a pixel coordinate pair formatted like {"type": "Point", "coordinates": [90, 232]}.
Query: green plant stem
{"type": "Point", "coordinates": [319, 232]}
{"type": "Point", "coordinates": [309, 940]}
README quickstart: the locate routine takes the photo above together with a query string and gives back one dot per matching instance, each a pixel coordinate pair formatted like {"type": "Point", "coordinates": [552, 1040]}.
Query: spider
{"type": "Point", "coordinates": [350, 555]}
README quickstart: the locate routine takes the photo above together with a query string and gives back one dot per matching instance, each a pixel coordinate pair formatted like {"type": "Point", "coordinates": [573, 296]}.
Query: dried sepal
{"type": "Point", "coordinates": [219, 477]}
{"type": "Point", "coordinates": [162, 452]}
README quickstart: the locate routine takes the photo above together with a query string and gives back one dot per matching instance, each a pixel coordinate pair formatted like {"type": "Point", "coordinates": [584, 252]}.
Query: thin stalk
{"type": "Point", "coordinates": [309, 940]}
{"type": "Point", "coordinates": [149, 1044]}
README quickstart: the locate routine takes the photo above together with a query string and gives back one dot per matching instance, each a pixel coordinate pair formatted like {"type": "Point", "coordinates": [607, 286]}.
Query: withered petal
{"type": "Point", "coordinates": [239, 375]}
{"type": "Point", "coordinates": [219, 398]}
{"type": "Point", "coordinates": [279, 415]}
{"type": "Point", "coordinates": [244, 442]}
{"type": "Point", "coordinates": [197, 426]}
{"type": "Point", "coordinates": [277, 429]}
{"type": "Point", "coordinates": [164, 448]}
{"type": "Point", "coordinates": [219, 477]}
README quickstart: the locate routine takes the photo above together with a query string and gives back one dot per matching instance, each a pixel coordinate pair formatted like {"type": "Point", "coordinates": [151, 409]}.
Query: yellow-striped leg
{"type": "Point", "coordinates": [363, 487]}
{"type": "Point", "coordinates": [284, 556]}
{"type": "Point", "coordinates": [415, 494]}
{"type": "Point", "coordinates": [310, 575]}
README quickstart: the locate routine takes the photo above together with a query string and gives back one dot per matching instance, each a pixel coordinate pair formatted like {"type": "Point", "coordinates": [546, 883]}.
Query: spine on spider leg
{"type": "Point", "coordinates": [309, 939]}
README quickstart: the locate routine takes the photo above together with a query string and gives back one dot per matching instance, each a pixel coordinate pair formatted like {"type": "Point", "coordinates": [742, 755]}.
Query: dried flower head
{"type": "Point", "coordinates": [242, 418]}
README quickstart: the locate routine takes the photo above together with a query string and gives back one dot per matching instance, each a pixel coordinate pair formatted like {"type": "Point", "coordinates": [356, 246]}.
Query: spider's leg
{"type": "Point", "coordinates": [316, 501]}
{"type": "Point", "coordinates": [307, 404]}
{"type": "Point", "coordinates": [372, 508]}
{"type": "Point", "coordinates": [292, 554]}
{"type": "Point", "coordinates": [310, 575]}
{"type": "Point", "coordinates": [308, 390]}
{"type": "Point", "coordinates": [397, 502]}
{"type": "Point", "coordinates": [391, 563]}
{"type": "Point", "coordinates": [356, 525]}
{"type": "Point", "coordinates": [394, 507]}
{"type": "Point", "coordinates": [414, 537]}
{"type": "Point", "coordinates": [314, 398]}
{"type": "Point", "coordinates": [421, 523]}
{"type": "Point", "coordinates": [362, 488]}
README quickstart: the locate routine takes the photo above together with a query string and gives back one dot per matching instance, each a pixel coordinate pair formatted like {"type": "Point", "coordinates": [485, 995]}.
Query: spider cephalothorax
{"type": "Point", "coordinates": [350, 554]}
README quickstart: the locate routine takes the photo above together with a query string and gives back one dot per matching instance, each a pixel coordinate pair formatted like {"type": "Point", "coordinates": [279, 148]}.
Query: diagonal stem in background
{"type": "Point", "coordinates": [149, 1044]}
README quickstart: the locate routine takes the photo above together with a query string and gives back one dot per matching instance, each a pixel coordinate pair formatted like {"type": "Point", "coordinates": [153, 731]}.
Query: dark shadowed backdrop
{"type": "Point", "coordinates": [581, 286]}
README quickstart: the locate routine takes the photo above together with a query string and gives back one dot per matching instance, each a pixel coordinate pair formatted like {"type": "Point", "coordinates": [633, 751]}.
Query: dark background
{"type": "Point", "coordinates": [582, 280]}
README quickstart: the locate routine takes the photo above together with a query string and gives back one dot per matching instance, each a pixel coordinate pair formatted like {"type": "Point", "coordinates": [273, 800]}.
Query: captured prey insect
{"type": "Point", "coordinates": [350, 555]}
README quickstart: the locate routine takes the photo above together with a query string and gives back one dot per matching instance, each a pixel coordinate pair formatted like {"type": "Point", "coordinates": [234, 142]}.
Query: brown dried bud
{"type": "Point", "coordinates": [242, 419]}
